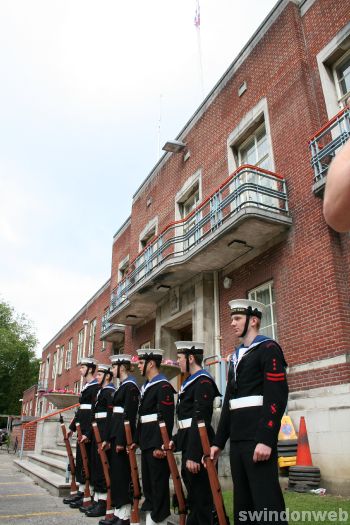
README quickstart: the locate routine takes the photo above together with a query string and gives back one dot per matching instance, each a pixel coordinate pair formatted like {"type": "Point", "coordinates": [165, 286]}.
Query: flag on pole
{"type": "Point", "coordinates": [197, 18]}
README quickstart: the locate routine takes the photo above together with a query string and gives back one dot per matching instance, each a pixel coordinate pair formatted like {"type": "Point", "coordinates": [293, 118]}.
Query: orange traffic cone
{"type": "Point", "coordinates": [303, 452]}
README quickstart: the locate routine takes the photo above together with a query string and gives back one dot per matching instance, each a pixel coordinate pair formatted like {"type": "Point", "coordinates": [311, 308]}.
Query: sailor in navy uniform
{"type": "Point", "coordinates": [255, 400]}
{"type": "Point", "coordinates": [157, 396]}
{"type": "Point", "coordinates": [84, 416]}
{"type": "Point", "coordinates": [195, 400]}
{"type": "Point", "coordinates": [125, 405]}
{"type": "Point", "coordinates": [103, 406]}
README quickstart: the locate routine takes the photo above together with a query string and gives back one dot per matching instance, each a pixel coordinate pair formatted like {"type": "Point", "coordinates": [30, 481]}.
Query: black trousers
{"type": "Point", "coordinates": [155, 484]}
{"type": "Point", "coordinates": [97, 477]}
{"type": "Point", "coordinates": [199, 496]}
{"type": "Point", "coordinates": [120, 477]}
{"type": "Point", "coordinates": [256, 486]}
{"type": "Point", "coordinates": [79, 467]}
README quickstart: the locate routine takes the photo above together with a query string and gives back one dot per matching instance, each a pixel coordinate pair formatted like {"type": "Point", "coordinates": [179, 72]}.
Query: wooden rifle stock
{"type": "Point", "coordinates": [135, 515]}
{"type": "Point", "coordinates": [84, 457]}
{"type": "Point", "coordinates": [73, 484]}
{"type": "Point", "coordinates": [174, 471]}
{"type": "Point", "coordinates": [212, 475]}
{"type": "Point", "coordinates": [105, 466]}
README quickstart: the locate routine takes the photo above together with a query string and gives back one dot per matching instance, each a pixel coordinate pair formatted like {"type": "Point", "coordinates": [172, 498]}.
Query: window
{"type": "Point", "coordinates": [265, 294]}
{"type": "Point", "coordinates": [342, 79]}
{"type": "Point", "coordinates": [334, 69]}
{"type": "Point", "coordinates": [60, 359]}
{"type": "Point", "coordinates": [80, 345]}
{"type": "Point", "coordinates": [54, 366]}
{"type": "Point", "coordinates": [146, 261]}
{"type": "Point", "coordinates": [68, 362]}
{"type": "Point", "coordinates": [186, 201]}
{"type": "Point", "coordinates": [76, 387]}
{"type": "Point", "coordinates": [123, 268]}
{"type": "Point", "coordinates": [92, 337]}
{"type": "Point", "coordinates": [255, 149]}
{"type": "Point", "coordinates": [191, 233]}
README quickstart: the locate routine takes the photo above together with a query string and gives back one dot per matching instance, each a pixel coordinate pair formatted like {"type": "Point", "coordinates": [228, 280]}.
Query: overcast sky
{"type": "Point", "coordinates": [82, 87]}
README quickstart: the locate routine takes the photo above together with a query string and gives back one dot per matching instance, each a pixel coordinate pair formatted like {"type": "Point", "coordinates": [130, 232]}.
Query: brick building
{"type": "Point", "coordinates": [234, 209]}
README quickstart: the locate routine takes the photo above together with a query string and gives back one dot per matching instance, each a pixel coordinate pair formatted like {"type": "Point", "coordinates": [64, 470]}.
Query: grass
{"type": "Point", "coordinates": [298, 503]}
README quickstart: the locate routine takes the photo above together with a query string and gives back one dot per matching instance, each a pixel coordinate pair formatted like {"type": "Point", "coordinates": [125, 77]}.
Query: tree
{"type": "Point", "coordinates": [19, 367]}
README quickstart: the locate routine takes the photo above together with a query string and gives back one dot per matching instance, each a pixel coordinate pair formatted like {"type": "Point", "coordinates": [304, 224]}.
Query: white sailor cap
{"type": "Point", "coordinates": [101, 367]}
{"type": "Point", "coordinates": [150, 353]}
{"type": "Point", "coordinates": [88, 361]}
{"type": "Point", "coordinates": [189, 347]}
{"type": "Point", "coordinates": [120, 359]}
{"type": "Point", "coordinates": [247, 307]}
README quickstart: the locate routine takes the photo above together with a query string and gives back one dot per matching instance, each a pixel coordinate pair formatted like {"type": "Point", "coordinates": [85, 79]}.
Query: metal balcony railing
{"type": "Point", "coordinates": [43, 385]}
{"type": "Point", "coordinates": [325, 143]}
{"type": "Point", "coordinates": [249, 186]}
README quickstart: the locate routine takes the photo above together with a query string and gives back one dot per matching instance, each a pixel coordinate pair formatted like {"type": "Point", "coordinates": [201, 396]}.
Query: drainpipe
{"type": "Point", "coordinates": [217, 337]}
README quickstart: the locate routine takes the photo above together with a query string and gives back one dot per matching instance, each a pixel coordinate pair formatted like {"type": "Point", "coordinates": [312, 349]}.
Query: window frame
{"type": "Point", "coordinates": [272, 306]}
{"type": "Point", "coordinates": [68, 360]}
{"type": "Point", "coordinates": [92, 337]}
{"type": "Point", "coordinates": [80, 345]}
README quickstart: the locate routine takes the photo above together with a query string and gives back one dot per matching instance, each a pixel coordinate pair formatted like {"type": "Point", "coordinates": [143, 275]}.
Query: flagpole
{"type": "Point", "coordinates": [197, 23]}
{"type": "Point", "coordinates": [159, 126]}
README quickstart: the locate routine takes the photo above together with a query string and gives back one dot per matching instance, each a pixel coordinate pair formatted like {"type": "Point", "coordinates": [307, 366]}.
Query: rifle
{"type": "Point", "coordinates": [84, 457]}
{"type": "Point", "coordinates": [135, 515]}
{"type": "Point", "coordinates": [73, 484]}
{"type": "Point", "coordinates": [173, 470]}
{"type": "Point", "coordinates": [220, 517]}
{"type": "Point", "coordinates": [105, 466]}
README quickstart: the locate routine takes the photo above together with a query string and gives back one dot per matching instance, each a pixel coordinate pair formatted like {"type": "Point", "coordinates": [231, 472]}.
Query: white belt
{"type": "Point", "coordinates": [243, 402]}
{"type": "Point", "coordinates": [100, 415]}
{"type": "Point", "coordinates": [149, 418]}
{"type": "Point", "coordinates": [85, 407]}
{"type": "Point", "coordinates": [184, 423]}
{"type": "Point", "coordinates": [118, 410]}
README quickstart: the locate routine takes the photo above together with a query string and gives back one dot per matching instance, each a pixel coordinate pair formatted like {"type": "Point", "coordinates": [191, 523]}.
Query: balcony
{"type": "Point", "coordinates": [246, 215]}
{"type": "Point", "coordinates": [325, 144]}
{"type": "Point", "coordinates": [111, 332]}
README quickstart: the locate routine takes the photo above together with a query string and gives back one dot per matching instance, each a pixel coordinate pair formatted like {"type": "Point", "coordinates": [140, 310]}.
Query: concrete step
{"type": "Point", "coordinates": [61, 444]}
{"type": "Point", "coordinates": [56, 453]}
{"type": "Point", "coordinates": [54, 483]}
{"type": "Point", "coordinates": [49, 463]}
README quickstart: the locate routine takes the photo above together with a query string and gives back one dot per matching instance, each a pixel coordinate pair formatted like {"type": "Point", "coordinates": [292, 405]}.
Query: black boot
{"type": "Point", "coordinates": [113, 521]}
{"type": "Point", "coordinates": [123, 522]}
{"type": "Point", "coordinates": [98, 510]}
{"type": "Point", "coordinates": [76, 503]}
{"type": "Point", "coordinates": [90, 507]}
{"type": "Point", "coordinates": [72, 497]}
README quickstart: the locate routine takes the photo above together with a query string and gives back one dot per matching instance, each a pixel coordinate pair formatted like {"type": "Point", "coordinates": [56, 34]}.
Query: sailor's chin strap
{"type": "Point", "coordinates": [250, 313]}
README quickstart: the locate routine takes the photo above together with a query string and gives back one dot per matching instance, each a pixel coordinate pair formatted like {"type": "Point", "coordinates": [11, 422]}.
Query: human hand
{"type": "Point", "coordinates": [193, 466]}
{"type": "Point", "coordinates": [159, 454]}
{"type": "Point", "coordinates": [261, 453]}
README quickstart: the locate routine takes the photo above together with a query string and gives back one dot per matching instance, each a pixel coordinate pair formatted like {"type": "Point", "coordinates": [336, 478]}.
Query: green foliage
{"type": "Point", "coordinates": [18, 365]}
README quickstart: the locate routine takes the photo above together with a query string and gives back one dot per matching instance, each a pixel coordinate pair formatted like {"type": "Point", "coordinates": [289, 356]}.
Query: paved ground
{"type": "Point", "coordinates": [22, 501]}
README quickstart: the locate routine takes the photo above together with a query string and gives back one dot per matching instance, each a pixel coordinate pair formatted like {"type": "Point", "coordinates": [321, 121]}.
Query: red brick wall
{"type": "Point", "coordinates": [29, 437]}
{"type": "Point", "coordinates": [136, 336]}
